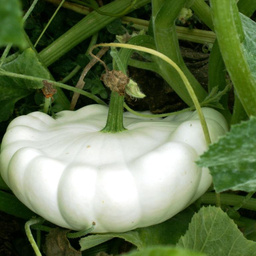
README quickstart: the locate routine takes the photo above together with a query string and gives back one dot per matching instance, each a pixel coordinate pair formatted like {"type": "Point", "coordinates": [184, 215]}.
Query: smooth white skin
{"type": "Point", "coordinates": [72, 174]}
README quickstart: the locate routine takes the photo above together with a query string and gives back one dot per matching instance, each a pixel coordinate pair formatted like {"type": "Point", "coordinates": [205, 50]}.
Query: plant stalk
{"type": "Point", "coordinates": [164, 15]}
{"type": "Point", "coordinates": [180, 73]}
{"type": "Point", "coordinates": [230, 36]}
{"type": "Point", "coordinates": [203, 11]}
{"type": "Point", "coordinates": [54, 83]}
{"type": "Point", "coordinates": [193, 35]}
{"type": "Point", "coordinates": [48, 24]}
{"type": "Point", "coordinates": [88, 26]}
{"type": "Point", "coordinates": [231, 200]}
{"type": "Point", "coordinates": [30, 236]}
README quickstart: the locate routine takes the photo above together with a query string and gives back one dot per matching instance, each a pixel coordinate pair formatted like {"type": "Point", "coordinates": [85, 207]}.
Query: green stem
{"type": "Point", "coordinates": [218, 201]}
{"type": "Point", "coordinates": [39, 227]}
{"type": "Point", "coordinates": [62, 100]}
{"type": "Point", "coordinates": [217, 78]}
{"type": "Point", "coordinates": [57, 84]}
{"type": "Point", "coordinates": [246, 199]}
{"type": "Point", "coordinates": [30, 236]}
{"type": "Point", "coordinates": [31, 8]}
{"type": "Point", "coordinates": [164, 14]}
{"type": "Point", "coordinates": [203, 11]}
{"type": "Point", "coordinates": [225, 15]}
{"type": "Point", "coordinates": [193, 35]}
{"type": "Point", "coordinates": [115, 114]}
{"type": "Point", "coordinates": [81, 233]}
{"type": "Point", "coordinates": [239, 113]}
{"type": "Point", "coordinates": [38, 238]}
{"type": "Point", "coordinates": [88, 26]}
{"type": "Point", "coordinates": [95, 8]}
{"type": "Point", "coordinates": [47, 104]}
{"type": "Point", "coordinates": [181, 74]}
{"type": "Point", "coordinates": [157, 115]}
{"type": "Point", "coordinates": [196, 35]}
{"type": "Point", "coordinates": [231, 200]}
{"type": "Point", "coordinates": [5, 53]}
{"type": "Point", "coordinates": [150, 66]}
{"type": "Point", "coordinates": [48, 24]}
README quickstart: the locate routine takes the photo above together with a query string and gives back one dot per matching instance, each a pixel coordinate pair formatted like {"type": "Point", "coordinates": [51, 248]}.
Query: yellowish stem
{"type": "Point", "coordinates": [179, 71]}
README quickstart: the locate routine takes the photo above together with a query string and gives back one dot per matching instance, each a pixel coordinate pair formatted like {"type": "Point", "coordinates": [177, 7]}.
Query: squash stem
{"type": "Point", "coordinates": [30, 236]}
{"type": "Point", "coordinates": [182, 75]}
{"type": "Point", "coordinates": [115, 114]}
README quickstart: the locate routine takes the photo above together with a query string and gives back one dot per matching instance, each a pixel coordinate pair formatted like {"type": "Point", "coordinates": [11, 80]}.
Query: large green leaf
{"type": "Point", "coordinates": [13, 89]}
{"type": "Point", "coordinates": [250, 42]}
{"type": "Point", "coordinates": [11, 205]}
{"type": "Point", "coordinates": [232, 161]}
{"type": "Point", "coordinates": [167, 232]}
{"type": "Point", "coordinates": [212, 232]}
{"type": "Point", "coordinates": [11, 31]}
{"type": "Point", "coordinates": [3, 185]}
{"type": "Point", "coordinates": [163, 251]}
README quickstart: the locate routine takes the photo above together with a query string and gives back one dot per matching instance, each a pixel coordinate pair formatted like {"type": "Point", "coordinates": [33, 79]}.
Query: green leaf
{"type": "Point", "coordinates": [11, 24]}
{"type": "Point", "coordinates": [13, 89]}
{"type": "Point", "coordinates": [212, 232]}
{"type": "Point", "coordinates": [167, 232]}
{"type": "Point", "coordinates": [249, 43]}
{"type": "Point", "coordinates": [3, 185]}
{"type": "Point", "coordinates": [232, 161]}
{"type": "Point", "coordinates": [11, 205]}
{"type": "Point", "coordinates": [163, 251]}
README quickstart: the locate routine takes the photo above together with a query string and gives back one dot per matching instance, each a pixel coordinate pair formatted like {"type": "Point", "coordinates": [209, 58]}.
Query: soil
{"type": "Point", "coordinates": [13, 241]}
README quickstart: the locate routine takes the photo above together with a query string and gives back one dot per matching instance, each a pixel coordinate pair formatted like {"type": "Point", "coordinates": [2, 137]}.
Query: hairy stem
{"type": "Point", "coordinates": [230, 36]}
{"type": "Point", "coordinates": [115, 114]}
{"type": "Point", "coordinates": [164, 15]}
{"type": "Point", "coordinates": [203, 11]}
{"type": "Point", "coordinates": [57, 84]}
{"type": "Point", "coordinates": [30, 236]}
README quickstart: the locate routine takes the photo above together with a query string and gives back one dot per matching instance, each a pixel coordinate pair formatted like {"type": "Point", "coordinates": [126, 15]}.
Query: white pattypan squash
{"type": "Point", "coordinates": [72, 174]}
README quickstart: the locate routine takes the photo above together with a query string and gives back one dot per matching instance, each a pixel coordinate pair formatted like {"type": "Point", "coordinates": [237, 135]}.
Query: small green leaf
{"type": "Point", "coordinates": [13, 89]}
{"type": "Point", "coordinates": [163, 251]}
{"type": "Point", "coordinates": [232, 161]}
{"type": "Point", "coordinates": [11, 24]}
{"type": "Point", "coordinates": [133, 90]}
{"type": "Point", "coordinates": [167, 232]}
{"type": "Point", "coordinates": [212, 232]}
